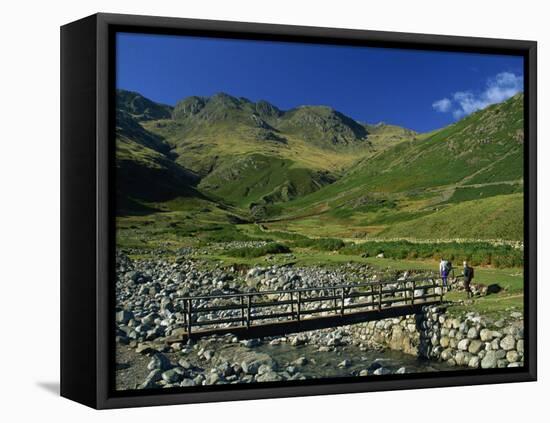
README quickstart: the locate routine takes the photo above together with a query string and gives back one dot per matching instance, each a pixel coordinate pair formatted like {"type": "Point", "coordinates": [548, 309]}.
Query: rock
{"type": "Point", "coordinates": [500, 354]}
{"type": "Point", "coordinates": [512, 356]}
{"type": "Point", "coordinates": [300, 361]}
{"type": "Point", "coordinates": [381, 255]}
{"type": "Point", "coordinates": [474, 362]}
{"type": "Point", "coordinates": [486, 335]}
{"type": "Point", "coordinates": [187, 382]}
{"type": "Point", "coordinates": [159, 361]}
{"type": "Point", "coordinates": [461, 358]}
{"type": "Point", "coordinates": [444, 341]}
{"type": "Point", "coordinates": [146, 349]}
{"type": "Point", "coordinates": [212, 379]}
{"type": "Point", "coordinates": [373, 367]}
{"type": "Point", "coordinates": [269, 376]}
{"type": "Point", "coordinates": [382, 371]}
{"type": "Point", "coordinates": [124, 316]}
{"type": "Point", "coordinates": [298, 340]}
{"type": "Point", "coordinates": [207, 355]}
{"type": "Point", "coordinates": [184, 364]}
{"type": "Point", "coordinates": [364, 372]}
{"type": "Point", "coordinates": [502, 363]}
{"type": "Point", "coordinates": [251, 343]}
{"type": "Point", "coordinates": [153, 377]}
{"type": "Point", "coordinates": [493, 288]}
{"type": "Point", "coordinates": [520, 346]}
{"type": "Point", "coordinates": [173, 375]}
{"type": "Point", "coordinates": [401, 371]}
{"type": "Point", "coordinates": [490, 360]}
{"type": "Point", "coordinates": [508, 343]}
{"type": "Point", "coordinates": [251, 362]}
{"type": "Point", "coordinates": [475, 346]}
{"type": "Point", "coordinates": [345, 363]}
{"type": "Point", "coordinates": [472, 333]}
{"type": "Point", "coordinates": [463, 344]}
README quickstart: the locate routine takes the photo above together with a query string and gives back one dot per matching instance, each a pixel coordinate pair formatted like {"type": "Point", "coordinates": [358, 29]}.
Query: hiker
{"type": "Point", "coordinates": [468, 274]}
{"type": "Point", "coordinates": [445, 268]}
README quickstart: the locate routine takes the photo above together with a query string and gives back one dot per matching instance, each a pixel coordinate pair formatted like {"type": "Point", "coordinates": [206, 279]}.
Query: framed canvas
{"type": "Point", "coordinates": [257, 211]}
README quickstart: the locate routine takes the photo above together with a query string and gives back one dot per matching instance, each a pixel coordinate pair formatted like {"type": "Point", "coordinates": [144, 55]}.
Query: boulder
{"type": "Point", "coordinates": [508, 343]}
{"type": "Point", "coordinates": [475, 346]}
{"type": "Point", "coordinates": [159, 361]}
{"type": "Point", "coordinates": [252, 361]}
{"type": "Point", "coordinates": [463, 344]}
{"type": "Point", "coordinates": [490, 360]}
{"type": "Point", "coordinates": [124, 316]}
{"type": "Point", "coordinates": [382, 371]}
{"type": "Point", "coordinates": [269, 376]}
{"type": "Point", "coordinates": [472, 333]}
{"type": "Point", "coordinates": [486, 335]}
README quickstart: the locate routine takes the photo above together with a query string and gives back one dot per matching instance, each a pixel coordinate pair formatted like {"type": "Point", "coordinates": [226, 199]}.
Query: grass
{"type": "Point", "coordinates": [476, 193]}
{"type": "Point", "coordinates": [499, 217]}
{"type": "Point", "coordinates": [253, 252]}
{"type": "Point", "coordinates": [478, 253]}
{"type": "Point", "coordinates": [321, 244]}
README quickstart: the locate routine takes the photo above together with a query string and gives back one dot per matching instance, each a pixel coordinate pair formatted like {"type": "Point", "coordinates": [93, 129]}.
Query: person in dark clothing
{"type": "Point", "coordinates": [468, 274]}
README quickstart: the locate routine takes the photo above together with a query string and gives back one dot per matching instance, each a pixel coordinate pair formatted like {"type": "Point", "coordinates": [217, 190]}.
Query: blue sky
{"type": "Point", "coordinates": [417, 89]}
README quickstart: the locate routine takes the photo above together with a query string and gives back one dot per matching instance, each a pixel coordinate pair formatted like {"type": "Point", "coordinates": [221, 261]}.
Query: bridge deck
{"type": "Point", "coordinates": [282, 328]}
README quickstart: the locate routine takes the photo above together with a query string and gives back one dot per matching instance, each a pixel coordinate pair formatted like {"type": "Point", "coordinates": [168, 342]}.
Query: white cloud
{"type": "Point", "coordinates": [499, 88]}
{"type": "Point", "coordinates": [443, 105]}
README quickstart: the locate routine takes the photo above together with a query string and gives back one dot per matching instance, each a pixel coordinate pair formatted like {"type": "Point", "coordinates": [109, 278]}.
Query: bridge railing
{"type": "Point", "coordinates": [248, 308]}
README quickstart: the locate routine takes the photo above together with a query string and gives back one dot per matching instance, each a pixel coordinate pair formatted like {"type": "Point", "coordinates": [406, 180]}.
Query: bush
{"type": "Point", "coordinates": [253, 252]}
{"type": "Point", "coordinates": [476, 253]}
{"type": "Point", "coordinates": [321, 244]}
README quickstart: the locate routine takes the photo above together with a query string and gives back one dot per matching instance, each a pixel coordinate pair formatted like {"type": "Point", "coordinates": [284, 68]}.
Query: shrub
{"type": "Point", "coordinates": [321, 244]}
{"type": "Point", "coordinates": [252, 252]}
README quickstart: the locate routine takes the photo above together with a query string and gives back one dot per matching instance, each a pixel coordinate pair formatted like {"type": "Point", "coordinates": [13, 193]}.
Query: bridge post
{"type": "Point", "coordinates": [242, 310]}
{"type": "Point", "coordinates": [334, 294]}
{"type": "Point", "coordinates": [299, 304]}
{"type": "Point", "coordinates": [343, 297]}
{"type": "Point", "coordinates": [291, 305]}
{"type": "Point", "coordinates": [441, 292]}
{"type": "Point", "coordinates": [379, 297]}
{"type": "Point", "coordinates": [248, 301]}
{"type": "Point", "coordinates": [189, 317]}
{"type": "Point", "coordinates": [413, 289]}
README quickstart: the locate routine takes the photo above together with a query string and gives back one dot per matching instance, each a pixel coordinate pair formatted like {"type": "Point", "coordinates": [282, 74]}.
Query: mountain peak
{"type": "Point", "coordinates": [140, 107]}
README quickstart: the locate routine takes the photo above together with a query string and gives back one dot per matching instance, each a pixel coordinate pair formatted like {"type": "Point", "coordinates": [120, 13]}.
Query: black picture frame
{"type": "Point", "coordinates": [87, 232]}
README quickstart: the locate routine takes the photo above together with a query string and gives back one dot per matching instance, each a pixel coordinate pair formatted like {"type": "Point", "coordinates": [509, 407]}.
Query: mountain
{"type": "Point", "coordinates": [248, 153]}
{"type": "Point", "coordinates": [141, 108]}
{"type": "Point", "coordinates": [145, 169]}
{"type": "Point", "coordinates": [312, 168]}
{"type": "Point", "coordinates": [427, 180]}
{"type": "Point", "coordinates": [383, 136]}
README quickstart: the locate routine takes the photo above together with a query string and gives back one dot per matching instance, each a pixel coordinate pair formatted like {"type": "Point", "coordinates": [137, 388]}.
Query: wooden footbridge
{"type": "Point", "coordinates": [276, 313]}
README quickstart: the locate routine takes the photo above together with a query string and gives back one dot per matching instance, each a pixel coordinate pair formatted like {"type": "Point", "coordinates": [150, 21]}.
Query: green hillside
{"type": "Point", "coordinates": [248, 153]}
{"type": "Point", "coordinates": [499, 217]}
{"type": "Point", "coordinates": [314, 171]}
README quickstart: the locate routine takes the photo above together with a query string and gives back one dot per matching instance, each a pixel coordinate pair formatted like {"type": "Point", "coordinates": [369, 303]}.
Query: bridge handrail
{"type": "Point", "coordinates": [306, 289]}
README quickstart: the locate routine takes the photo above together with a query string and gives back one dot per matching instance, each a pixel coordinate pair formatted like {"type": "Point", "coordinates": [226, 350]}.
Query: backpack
{"type": "Point", "coordinates": [448, 266]}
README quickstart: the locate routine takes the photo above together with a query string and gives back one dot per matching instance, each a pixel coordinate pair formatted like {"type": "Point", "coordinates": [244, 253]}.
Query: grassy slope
{"type": "Point", "coordinates": [499, 217]}
{"type": "Point", "coordinates": [478, 157]}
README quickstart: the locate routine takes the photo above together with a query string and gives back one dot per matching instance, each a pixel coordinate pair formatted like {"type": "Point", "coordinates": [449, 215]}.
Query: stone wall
{"type": "Point", "coordinates": [470, 340]}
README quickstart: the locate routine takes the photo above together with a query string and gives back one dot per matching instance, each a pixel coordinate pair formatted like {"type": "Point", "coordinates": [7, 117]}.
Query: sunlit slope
{"type": "Point", "coordinates": [499, 217]}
